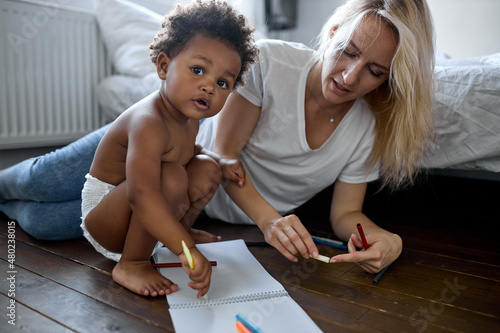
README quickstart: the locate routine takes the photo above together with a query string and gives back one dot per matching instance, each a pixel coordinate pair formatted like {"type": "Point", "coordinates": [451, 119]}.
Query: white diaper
{"type": "Point", "coordinates": [94, 190]}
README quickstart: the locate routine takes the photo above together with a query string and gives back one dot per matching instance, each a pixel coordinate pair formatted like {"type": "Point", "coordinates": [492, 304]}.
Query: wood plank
{"type": "Point", "coordinates": [338, 297]}
{"type": "Point", "coordinates": [77, 311]}
{"type": "Point", "coordinates": [473, 292]}
{"type": "Point", "coordinates": [452, 245]}
{"type": "Point", "coordinates": [392, 297]}
{"type": "Point", "coordinates": [453, 264]}
{"type": "Point", "coordinates": [96, 284]}
{"type": "Point", "coordinates": [356, 316]}
{"type": "Point", "coordinates": [78, 250]}
{"type": "Point", "coordinates": [24, 319]}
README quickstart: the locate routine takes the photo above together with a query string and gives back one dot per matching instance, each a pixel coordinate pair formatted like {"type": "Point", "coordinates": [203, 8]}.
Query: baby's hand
{"type": "Point", "coordinates": [201, 274]}
{"type": "Point", "coordinates": [233, 170]}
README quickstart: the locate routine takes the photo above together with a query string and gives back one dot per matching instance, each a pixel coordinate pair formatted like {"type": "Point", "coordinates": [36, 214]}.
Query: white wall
{"type": "Point", "coordinates": [311, 16]}
{"type": "Point", "coordinates": [464, 28]}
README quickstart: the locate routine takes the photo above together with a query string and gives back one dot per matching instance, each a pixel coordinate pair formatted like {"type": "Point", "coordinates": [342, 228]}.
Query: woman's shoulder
{"type": "Point", "coordinates": [278, 43]}
{"type": "Point", "coordinates": [284, 51]}
{"type": "Point", "coordinates": [362, 114]}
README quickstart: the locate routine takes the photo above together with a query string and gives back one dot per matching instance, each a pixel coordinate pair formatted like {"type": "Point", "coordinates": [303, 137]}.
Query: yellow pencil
{"type": "Point", "coordinates": [189, 258]}
{"type": "Point", "coordinates": [188, 255]}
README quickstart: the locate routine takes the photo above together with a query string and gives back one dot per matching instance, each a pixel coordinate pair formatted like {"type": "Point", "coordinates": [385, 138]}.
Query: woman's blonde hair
{"type": "Point", "coordinates": [403, 104]}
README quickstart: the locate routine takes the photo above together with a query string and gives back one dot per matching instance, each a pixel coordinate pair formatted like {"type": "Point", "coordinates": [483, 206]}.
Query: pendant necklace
{"type": "Point", "coordinates": [332, 120]}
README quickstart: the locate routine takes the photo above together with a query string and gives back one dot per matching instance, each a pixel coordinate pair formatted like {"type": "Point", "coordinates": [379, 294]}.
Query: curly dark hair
{"type": "Point", "coordinates": [213, 19]}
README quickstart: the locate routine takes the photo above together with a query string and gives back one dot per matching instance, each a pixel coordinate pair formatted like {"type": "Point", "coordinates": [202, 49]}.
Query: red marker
{"type": "Point", "coordinates": [362, 236]}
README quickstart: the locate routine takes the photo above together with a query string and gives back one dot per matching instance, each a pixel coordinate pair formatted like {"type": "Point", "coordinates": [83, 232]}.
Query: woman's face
{"type": "Point", "coordinates": [364, 64]}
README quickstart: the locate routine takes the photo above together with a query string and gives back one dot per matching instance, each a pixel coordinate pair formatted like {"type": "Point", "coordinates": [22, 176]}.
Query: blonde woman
{"type": "Point", "coordinates": [357, 109]}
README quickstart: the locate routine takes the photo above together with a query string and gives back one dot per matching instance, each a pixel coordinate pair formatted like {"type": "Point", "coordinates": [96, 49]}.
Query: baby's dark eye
{"type": "Point", "coordinates": [197, 70]}
{"type": "Point", "coordinates": [223, 84]}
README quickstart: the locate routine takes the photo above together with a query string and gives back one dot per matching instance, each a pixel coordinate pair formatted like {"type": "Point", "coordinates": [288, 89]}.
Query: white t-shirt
{"type": "Point", "coordinates": [277, 157]}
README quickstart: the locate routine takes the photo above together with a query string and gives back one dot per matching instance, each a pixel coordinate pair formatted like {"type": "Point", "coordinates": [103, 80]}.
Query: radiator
{"type": "Point", "coordinates": [52, 57]}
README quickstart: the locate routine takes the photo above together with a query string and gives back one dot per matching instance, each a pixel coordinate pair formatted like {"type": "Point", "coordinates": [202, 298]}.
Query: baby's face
{"type": "Point", "coordinates": [200, 78]}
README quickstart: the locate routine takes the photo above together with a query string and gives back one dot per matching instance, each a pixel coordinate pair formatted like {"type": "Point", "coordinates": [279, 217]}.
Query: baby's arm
{"type": "Point", "coordinates": [232, 168]}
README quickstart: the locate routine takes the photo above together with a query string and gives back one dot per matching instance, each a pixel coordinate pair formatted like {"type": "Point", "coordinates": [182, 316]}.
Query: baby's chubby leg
{"type": "Point", "coordinates": [134, 270]}
{"type": "Point", "coordinates": [114, 225]}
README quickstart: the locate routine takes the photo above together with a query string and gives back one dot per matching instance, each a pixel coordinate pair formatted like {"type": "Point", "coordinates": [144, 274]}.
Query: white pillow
{"type": "Point", "coordinates": [128, 29]}
{"type": "Point", "coordinates": [117, 93]}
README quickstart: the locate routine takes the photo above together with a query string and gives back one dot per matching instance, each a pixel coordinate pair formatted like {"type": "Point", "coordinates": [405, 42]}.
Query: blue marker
{"type": "Point", "coordinates": [329, 242]}
{"type": "Point", "coordinates": [251, 327]}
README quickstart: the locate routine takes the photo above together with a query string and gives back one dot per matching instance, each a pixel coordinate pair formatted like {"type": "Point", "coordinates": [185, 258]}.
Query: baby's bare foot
{"type": "Point", "coordinates": [201, 236]}
{"type": "Point", "coordinates": [141, 278]}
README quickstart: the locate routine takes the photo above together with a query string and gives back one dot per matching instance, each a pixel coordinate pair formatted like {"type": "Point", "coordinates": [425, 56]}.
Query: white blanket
{"type": "Point", "coordinates": [467, 115]}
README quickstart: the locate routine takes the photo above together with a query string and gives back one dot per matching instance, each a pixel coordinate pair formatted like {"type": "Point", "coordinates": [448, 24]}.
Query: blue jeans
{"type": "Point", "coordinates": [43, 194]}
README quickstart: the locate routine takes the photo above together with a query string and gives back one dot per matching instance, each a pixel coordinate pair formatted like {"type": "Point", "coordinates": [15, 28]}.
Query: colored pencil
{"type": "Point", "coordinates": [329, 242]}
{"type": "Point", "coordinates": [379, 275]}
{"type": "Point", "coordinates": [250, 326]}
{"type": "Point", "coordinates": [188, 255]}
{"type": "Point", "coordinates": [241, 328]}
{"type": "Point", "coordinates": [362, 236]}
{"type": "Point", "coordinates": [176, 264]}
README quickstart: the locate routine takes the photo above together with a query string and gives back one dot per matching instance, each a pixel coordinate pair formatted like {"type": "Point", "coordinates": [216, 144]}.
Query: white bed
{"type": "Point", "coordinates": [467, 114]}
{"type": "Point", "coordinates": [467, 100]}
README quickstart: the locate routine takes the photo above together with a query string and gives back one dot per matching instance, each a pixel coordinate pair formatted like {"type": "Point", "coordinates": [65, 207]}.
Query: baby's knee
{"type": "Point", "coordinates": [205, 171]}
{"type": "Point", "coordinates": [205, 175]}
{"type": "Point", "coordinates": [174, 182]}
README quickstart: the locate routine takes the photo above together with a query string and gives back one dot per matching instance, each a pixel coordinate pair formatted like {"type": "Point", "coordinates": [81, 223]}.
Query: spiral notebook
{"type": "Point", "coordinates": [239, 285]}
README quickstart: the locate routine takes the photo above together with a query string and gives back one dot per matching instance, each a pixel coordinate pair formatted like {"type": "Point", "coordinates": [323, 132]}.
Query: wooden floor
{"type": "Point", "coordinates": [446, 280]}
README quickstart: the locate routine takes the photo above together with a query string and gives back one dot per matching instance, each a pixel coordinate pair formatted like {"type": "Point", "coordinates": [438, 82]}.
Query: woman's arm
{"type": "Point", "coordinates": [237, 121]}
{"type": "Point", "coordinates": [345, 213]}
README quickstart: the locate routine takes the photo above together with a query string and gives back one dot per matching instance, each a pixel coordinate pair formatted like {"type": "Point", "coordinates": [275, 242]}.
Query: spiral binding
{"type": "Point", "coordinates": [230, 300]}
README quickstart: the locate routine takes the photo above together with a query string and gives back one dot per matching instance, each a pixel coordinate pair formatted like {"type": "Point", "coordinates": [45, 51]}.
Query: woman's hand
{"type": "Point", "coordinates": [201, 274]}
{"type": "Point", "coordinates": [233, 170]}
{"type": "Point", "coordinates": [289, 236]}
{"type": "Point", "coordinates": [383, 249]}
{"type": "Point", "coordinates": [346, 213]}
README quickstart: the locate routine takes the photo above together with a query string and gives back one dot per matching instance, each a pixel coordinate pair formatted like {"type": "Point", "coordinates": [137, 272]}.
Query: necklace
{"type": "Point", "coordinates": [332, 120]}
